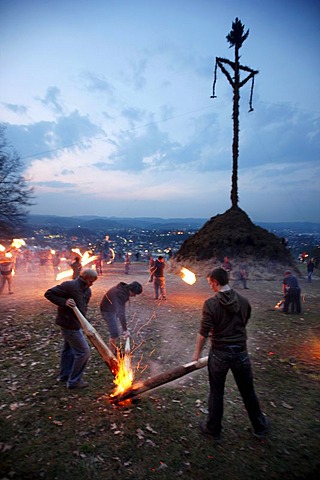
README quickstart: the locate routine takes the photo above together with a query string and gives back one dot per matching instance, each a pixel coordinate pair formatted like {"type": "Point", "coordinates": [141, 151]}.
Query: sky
{"type": "Point", "coordinates": [107, 103]}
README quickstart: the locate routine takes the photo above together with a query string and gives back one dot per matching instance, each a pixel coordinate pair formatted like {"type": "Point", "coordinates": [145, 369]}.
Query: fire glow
{"type": "Point", "coordinates": [85, 259]}
{"type": "Point", "coordinates": [124, 377]}
{"type": "Point", "coordinates": [188, 276]}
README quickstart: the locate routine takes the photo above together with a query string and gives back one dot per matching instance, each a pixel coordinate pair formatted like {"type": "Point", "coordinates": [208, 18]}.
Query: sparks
{"type": "Point", "coordinates": [124, 378]}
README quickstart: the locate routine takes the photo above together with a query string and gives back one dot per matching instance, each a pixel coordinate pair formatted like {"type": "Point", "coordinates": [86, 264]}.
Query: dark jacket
{"type": "Point", "coordinates": [224, 318]}
{"type": "Point", "coordinates": [76, 289]}
{"type": "Point", "coordinates": [158, 269]}
{"type": "Point", "coordinates": [115, 300]}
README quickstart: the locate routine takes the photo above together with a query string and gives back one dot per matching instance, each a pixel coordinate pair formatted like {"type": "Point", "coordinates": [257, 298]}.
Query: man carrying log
{"type": "Point", "coordinates": [75, 352]}
{"type": "Point", "coordinates": [224, 319]}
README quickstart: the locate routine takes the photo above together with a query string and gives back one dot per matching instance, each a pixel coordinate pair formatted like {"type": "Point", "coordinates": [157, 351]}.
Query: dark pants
{"type": "Point", "coordinates": [218, 366]}
{"type": "Point", "coordinates": [292, 300]}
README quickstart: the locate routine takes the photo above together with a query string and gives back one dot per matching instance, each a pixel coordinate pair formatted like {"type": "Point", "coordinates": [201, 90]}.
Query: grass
{"type": "Point", "coordinates": [51, 433]}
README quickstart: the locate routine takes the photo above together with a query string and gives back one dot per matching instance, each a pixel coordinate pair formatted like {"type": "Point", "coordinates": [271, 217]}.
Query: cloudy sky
{"type": "Point", "coordinates": [108, 104]}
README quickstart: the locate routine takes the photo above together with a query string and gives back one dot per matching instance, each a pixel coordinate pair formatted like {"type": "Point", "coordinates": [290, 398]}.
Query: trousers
{"type": "Point", "coordinates": [219, 363]}
{"type": "Point", "coordinates": [74, 356]}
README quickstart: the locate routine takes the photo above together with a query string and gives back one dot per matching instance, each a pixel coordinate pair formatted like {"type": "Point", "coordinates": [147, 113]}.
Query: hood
{"type": "Point", "coordinates": [229, 300]}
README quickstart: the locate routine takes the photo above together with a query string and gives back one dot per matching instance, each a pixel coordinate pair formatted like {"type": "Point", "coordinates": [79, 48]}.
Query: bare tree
{"type": "Point", "coordinates": [235, 37]}
{"type": "Point", "coordinates": [15, 194]}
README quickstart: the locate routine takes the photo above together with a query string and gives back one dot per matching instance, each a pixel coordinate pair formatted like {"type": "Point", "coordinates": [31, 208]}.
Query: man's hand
{"type": "Point", "coordinates": [126, 334]}
{"type": "Point", "coordinates": [71, 303]}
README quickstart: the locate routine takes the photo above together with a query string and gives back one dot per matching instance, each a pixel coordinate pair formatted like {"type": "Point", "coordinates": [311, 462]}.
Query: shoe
{"type": "Point", "coordinates": [62, 380]}
{"type": "Point", "coordinates": [262, 433]}
{"type": "Point", "coordinates": [78, 385]}
{"type": "Point", "coordinates": [205, 431]}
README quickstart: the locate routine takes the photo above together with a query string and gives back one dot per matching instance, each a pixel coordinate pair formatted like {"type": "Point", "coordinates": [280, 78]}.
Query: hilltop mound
{"type": "Point", "coordinates": [233, 234]}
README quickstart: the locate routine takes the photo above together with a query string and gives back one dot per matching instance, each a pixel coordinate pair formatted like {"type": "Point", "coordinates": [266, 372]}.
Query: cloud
{"type": "Point", "coordinates": [96, 83]}
{"type": "Point", "coordinates": [52, 100]}
{"type": "Point", "coordinates": [46, 138]}
{"type": "Point", "coordinates": [20, 109]}
{"type": "Point", "coordinates": [55, 184]}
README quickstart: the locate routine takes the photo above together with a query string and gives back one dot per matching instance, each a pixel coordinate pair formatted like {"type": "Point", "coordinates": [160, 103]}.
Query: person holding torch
{"type": "Point", "coordinates": [75, 351]}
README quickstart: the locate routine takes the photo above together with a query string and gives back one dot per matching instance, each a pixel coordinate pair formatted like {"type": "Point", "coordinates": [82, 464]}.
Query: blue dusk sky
{"type": "Point", "coordinates": [108, 104]}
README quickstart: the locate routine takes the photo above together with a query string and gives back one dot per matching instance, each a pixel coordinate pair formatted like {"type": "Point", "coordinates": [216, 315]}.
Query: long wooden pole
{"type": "Point", "coordinates": [97, 342]}
{"type": "Point", "coordinates": [162, 378]}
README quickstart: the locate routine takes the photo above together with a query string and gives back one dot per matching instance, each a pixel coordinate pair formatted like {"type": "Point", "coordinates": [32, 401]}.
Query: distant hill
{"type": "Point", "coordinates": [98, 224]}
{"type": "Point", "coordinates": [104, 223]}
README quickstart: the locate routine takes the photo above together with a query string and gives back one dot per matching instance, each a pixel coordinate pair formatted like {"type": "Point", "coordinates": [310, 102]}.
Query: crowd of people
{"type": "Point", "coordinates": [224, 320]}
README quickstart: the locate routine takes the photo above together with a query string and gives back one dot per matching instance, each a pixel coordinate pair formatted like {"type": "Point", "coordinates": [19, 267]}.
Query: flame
{"type": "Point", "coordinates": [124, 378]}
{"type": "Point", "coordinates": [86, 258]}
{"type": "Point", "coordinates": [188, 276]}
{"type": "Point", "coordinates": [279, 305]}
{"type": "Point", "coordinates": [77, 251]}
{"type": "Point", "coordinates": [112, 256]}
{"type": "Point", "coordinates": [2, 248]}
{"type": "Point", "coordinates": [17, 242]}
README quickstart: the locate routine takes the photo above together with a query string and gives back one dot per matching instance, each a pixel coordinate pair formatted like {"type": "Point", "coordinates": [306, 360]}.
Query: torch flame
{"type": "Point", "coordinates": [2, 248]}
{"type": "Point", "coordinates": [86, 258]}
{"type": "Point", "coordinates": [124, 378]}
{"type": "Point", "coordinates": [188, 276]}
{"type": "Point", "coordinates": [77, 251]}
{"type": "Point", "coordinates": [279, 305]}
{"type": "Point", "coordinates": [17, 242]}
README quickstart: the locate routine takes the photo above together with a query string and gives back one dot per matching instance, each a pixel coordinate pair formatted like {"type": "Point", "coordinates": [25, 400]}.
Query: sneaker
{"type": "Point", "coordinates": [62, 379]}
{"type": "Point", "coordinates": [78, 385]}
{"type": "Point", "coordinates": [206, 431]}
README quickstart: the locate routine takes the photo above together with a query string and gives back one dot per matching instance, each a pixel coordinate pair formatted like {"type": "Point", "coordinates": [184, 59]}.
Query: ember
{"type": "Point", "coordinates": [188, 276]}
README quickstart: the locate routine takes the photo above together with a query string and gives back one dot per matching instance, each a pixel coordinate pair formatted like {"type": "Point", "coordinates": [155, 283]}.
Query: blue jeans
{"type": "Point", "coordinates": [74, 356]}
{"type": "Point", "coordinates": [159, 284]}
{"type": "Point", "coordinates": [219, 363]}
{"type": "Point", "coordinates": [112, 322]}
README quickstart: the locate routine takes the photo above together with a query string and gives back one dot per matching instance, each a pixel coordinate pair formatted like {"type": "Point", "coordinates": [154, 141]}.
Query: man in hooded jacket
{"type": "Point", "coordinates": [224, 319]}
{"type": "Point", "coordinates": [113, 309]}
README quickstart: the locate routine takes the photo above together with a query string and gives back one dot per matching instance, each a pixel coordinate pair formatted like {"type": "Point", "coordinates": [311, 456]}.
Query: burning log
{"type": "Point", "coordinates": [161, 379]}
{"type": "Point", "coordinates": [97, 342]}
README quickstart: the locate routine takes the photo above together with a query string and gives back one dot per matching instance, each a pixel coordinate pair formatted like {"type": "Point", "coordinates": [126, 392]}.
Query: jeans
{"type": "Point", "coordinates": [112, 321]}
{"type": "Point", "coordinates": [238, 361]}
{"type": "Point", "coordinates": [74, 356]}
{"type": "Point", "coordinates": [159, 284]}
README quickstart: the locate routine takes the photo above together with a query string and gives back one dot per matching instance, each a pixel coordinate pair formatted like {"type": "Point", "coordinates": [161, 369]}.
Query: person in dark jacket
{"type": "Point", "coordinates": [75, 352]}
{"type": "Point", "coordinates": [292, 293]}
{"type": "Point", "coordinates": [224, 319]}
{"type": "Point", "coordinates": [76, 268]}
{"type": "Point", "coordinates": [157, 274]}
{"type": "Point", "coordinates": [113, 309]}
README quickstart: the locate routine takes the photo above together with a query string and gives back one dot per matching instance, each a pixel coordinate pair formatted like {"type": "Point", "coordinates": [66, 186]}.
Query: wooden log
{"type": "Point", "coordinates": [161, 379]}
{"type": "Point", "coordinates": [97, 341]}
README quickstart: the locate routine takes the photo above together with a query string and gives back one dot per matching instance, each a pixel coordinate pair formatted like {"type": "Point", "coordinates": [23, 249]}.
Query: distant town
{"type": "Point", "coordinates": [113, 238]}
